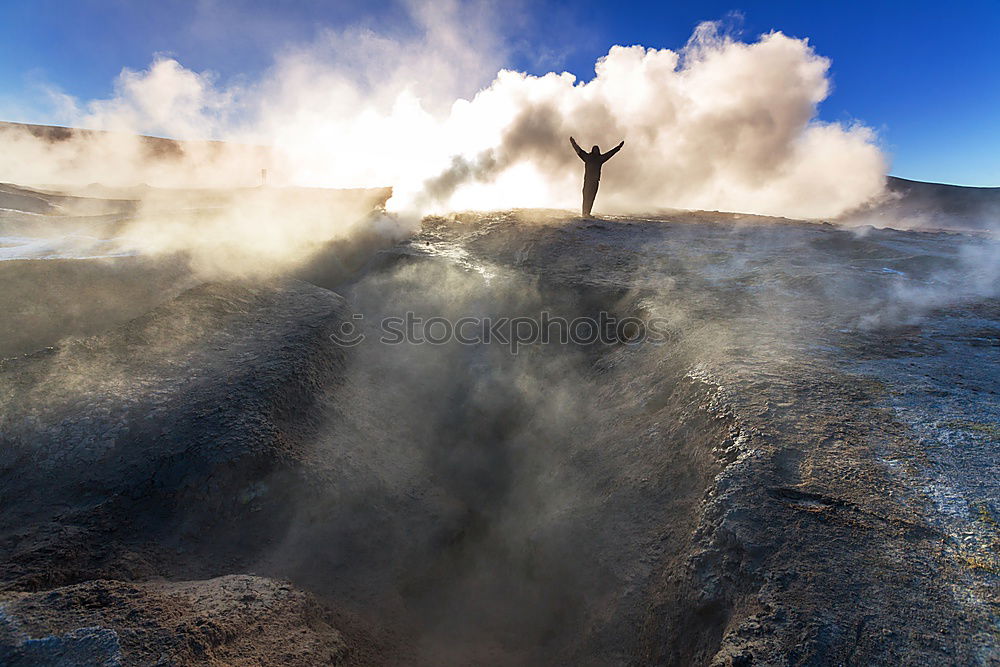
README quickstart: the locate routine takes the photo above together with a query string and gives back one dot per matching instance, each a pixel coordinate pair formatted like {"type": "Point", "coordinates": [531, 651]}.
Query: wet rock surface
{"type": "Point", "coordinates": [802, 472]}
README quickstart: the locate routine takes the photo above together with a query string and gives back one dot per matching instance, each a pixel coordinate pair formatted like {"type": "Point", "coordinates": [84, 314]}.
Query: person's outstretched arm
{"type": "Point", "coordinates": [576, 147]}
{"type": "Point", "coordinates": [611, 153]}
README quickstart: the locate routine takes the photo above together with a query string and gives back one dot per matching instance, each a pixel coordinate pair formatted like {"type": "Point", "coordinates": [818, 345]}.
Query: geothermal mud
{"type": "Point", "coordinates": [802, 472]}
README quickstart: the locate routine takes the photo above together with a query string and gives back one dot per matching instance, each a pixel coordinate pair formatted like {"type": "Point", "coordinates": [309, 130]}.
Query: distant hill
{"type": "Point", "coordinates": [916, 204]}
{"type": "Point", "coordinates": [37, 155]}
{"type": "Point", "coordinates": [158, 147]}
{"type": "Point", "coordinates": [956, 200]}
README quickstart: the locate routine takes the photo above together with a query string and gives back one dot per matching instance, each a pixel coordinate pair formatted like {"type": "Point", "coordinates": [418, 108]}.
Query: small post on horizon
{"type": "Point", "coordinates": [263, 177]}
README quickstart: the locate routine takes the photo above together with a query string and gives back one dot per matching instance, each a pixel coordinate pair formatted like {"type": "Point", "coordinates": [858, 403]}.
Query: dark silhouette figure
{"type": "Point", "coordinates": [592, 173]}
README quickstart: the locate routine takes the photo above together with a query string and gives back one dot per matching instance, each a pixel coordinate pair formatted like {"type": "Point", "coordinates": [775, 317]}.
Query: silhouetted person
{"type": "Point", "coordinates": [592, 173]}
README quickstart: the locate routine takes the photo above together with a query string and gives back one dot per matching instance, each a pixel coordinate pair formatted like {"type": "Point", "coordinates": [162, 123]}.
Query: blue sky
{"type": "Point", "coordinates": [925, 75]}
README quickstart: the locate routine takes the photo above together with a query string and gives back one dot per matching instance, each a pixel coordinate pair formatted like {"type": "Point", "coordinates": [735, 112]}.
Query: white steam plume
{"type": "Point", "coordinates": [722, 125]}
{"type": "Point", "coordinates": [719, 125]}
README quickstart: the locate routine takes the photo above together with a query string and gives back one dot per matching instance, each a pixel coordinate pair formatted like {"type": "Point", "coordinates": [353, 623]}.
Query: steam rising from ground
{"type": "Point", "coordinates": [719, 125]}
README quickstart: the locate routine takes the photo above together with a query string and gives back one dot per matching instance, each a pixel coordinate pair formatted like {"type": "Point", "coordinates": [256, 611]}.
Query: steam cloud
{"type": "Point", "coordinates": [720, 124]}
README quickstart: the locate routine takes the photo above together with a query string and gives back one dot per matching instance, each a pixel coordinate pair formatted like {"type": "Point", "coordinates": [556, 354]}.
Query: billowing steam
{"type": "Point", "coordinates": [722, 125]}
{"type": "Point", "coordinates": [719, 125]}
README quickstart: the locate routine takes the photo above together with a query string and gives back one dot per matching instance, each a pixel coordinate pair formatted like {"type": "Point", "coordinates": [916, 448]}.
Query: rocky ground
{"type": "Point", "coordinates": [230, 620]}
{"type": "Point", "coordinates": [802, 472]}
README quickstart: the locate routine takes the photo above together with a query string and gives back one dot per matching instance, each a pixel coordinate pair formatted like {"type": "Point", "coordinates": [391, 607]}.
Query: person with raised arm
{"type": "Point", "coordinates": [592, 171]}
